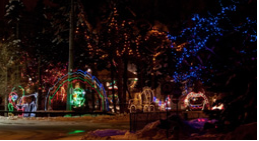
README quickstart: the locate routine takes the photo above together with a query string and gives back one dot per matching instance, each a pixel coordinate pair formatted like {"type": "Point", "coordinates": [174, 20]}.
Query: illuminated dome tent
{"type": "Point", "coordinates": [87, 93]}
{"type": "Point", "coordinates": [196, 101]}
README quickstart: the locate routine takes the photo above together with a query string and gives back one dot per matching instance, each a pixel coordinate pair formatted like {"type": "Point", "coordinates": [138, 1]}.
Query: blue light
{"type": "Point", "coordinates": [253, 38]}
{"type": "Point", "coordinates": [204, 29]}
{"type": "Point", "coordinates": [242, 51]}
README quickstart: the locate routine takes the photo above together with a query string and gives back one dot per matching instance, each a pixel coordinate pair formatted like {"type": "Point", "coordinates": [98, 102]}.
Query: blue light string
{"type": "Point", "coordinates": [205, 28]}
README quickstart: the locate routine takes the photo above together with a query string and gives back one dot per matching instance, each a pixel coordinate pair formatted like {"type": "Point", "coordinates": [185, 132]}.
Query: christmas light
{"type": "Point", "coordinates": [218, 107]}
{"type": "Point", "coordinates": [143, 101]}
{"type": "Point", "coordinates": [83, 77]}
{"type": "Point", "coordinates": [23, 103]}
{"type": "Point", "coordinates": [197, 37]}
{"type": "Point", "coordinates": [78, 97]}
{"type": "Point", "coordinates": [13, 97]}
{"type": "Point", "coordinates": [12, 101]}
{"type": "Point", "coordinates": [201, 106]}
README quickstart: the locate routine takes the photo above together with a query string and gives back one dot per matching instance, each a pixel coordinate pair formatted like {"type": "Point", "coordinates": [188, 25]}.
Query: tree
{"type": "Point", "coordinates": [219, 49]}
{"type": "Point", "coordinates": [117, 41]}
{"type": "Point", "coordinates": [8, 60]}
{"type": "Point", "coordinates": [154, 49]}
{"type": "Point", "coordinates": [10, 48]}
{"type": "Point", "coordinates": [14, 11]}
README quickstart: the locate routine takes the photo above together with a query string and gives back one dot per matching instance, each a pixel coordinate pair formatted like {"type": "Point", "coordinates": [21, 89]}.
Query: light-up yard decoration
{"type": "Point", "coordinates": [133, 82]}
{"type": "Point", "coordinates": [28, 103]}
{"type": "Point", "coordinates": [109, 85]}
{"type": "Point", "coordinates": [167, 103]}
{"type": "Point", "coordinates": [24, 103]}
{"type": "Point", "coordinates": [196, 101]}
{"type": "Point", "coordinates": [78, 97]}
{"type": "Point", "coordinates": [219, 106]}
{"type": "Point", "coordinates": [13, 97]}
{"type": "Point", "coordinates": [142, 102]}
{"type": "Point", "coordinates": [12, 101]}
{"type": "Point", "coordinates": [162, 105]}
{"type": "Point", "coordinates": [86, 91]}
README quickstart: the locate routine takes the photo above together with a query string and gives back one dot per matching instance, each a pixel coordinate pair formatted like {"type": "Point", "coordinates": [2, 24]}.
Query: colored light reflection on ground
{"type": "Point", "coordinates": [76, 131]}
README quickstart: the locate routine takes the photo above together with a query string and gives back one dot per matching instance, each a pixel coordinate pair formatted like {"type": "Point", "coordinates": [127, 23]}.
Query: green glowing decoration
{"type": "Point", "coordinates": [23, 91]}
{"type": "Point", "coordinates": [89, 82]}
{"type": "Point", "coordinates": [78, 97]}
{"type": "Point", "coordinates": [13, 97]}
{"type": "Point", "coordinates": [10, 107]}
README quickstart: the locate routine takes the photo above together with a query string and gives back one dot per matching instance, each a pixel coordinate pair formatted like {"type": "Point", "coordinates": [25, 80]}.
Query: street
{"type": "Point", "coordinates": [53, 130]}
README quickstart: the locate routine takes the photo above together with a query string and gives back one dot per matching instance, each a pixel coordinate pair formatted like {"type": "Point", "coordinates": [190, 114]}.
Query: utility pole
{"type": "Point", "coordinates": [71, 54]}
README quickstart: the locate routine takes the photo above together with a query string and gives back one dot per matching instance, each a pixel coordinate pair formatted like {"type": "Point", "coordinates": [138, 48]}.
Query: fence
{"type": "Point", "coordinates": [54, 113]}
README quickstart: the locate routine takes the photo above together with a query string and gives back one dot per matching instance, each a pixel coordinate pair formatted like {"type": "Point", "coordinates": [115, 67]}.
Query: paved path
{"type": "Point", "coordinates": [44, 130]}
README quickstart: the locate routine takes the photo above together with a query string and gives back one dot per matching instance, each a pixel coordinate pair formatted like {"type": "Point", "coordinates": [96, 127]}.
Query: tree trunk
{"type": "Point", "coordinates": [39, 85]}
{"type": "Point", "coordinates": [6, 94]}
{"type": "Point", "coordinates": [129, 93]}
{"type": "Point", "coordinates": [153, 74]}
{"type": "Point", "coordinates": [94, 70]}
{"type": "Point", "coordinates": [153, 81]}
{"type": "Point", "coordinates": [125, 82]}
{"type": "Point", "coordinates": [17, 30]}
{"type": "Point", "coordinates": [71, 56]}
{"type": "Point", "coordinates": [120, 84]}
{"type": "Point", "coordinates": [113, 91]}
{"type": "Point", "coordinates": [140, 76]}
{"type": "Point", "coordinates": [93, 100]}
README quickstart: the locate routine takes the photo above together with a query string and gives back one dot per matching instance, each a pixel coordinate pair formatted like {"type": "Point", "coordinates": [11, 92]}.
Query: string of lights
{"type": "Point", "coordinates": [81, 76]}
{"type": "Point", "coordinates": [204, 30]}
